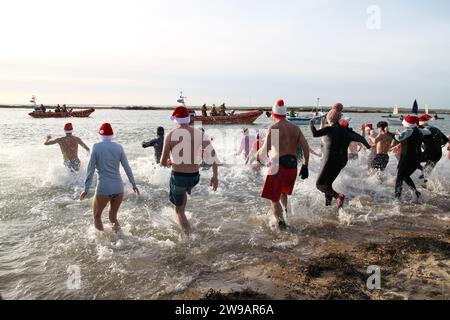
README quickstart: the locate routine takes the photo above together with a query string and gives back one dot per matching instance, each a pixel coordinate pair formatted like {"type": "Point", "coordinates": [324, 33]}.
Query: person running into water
{"type": "Point", "coordinates": [432, 146]}
{"type": "Point", "coordinates": [411, 139]}
{"type": "Point", "coordinates": [247, 142]}
{"type": "Point", "coordinates": [382, 144]}
{"type": "Point", "coordinates": [106, 158]}
{"type": "Point", "coordinates": [282, 139]}
{"type": "Point", "coordinates": [335, 155]}
{"type": "Point", "coordinates": [156, 143]}
{"type": "Point", "coordinates": [184, 144]}
{"type": "Point", "coordinates": [69, 147]}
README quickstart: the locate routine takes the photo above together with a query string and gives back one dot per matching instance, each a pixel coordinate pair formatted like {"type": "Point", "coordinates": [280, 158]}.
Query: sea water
{"type": "Point", "coordinates": [50, 250]}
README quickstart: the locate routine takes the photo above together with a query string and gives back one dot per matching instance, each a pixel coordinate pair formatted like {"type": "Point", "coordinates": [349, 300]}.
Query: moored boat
{"type": "Point", "coordinates": [72, 114]}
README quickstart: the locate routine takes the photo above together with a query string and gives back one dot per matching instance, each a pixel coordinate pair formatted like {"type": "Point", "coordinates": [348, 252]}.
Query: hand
{"type": "Point", "coordinates": [304, 172]}
{"type": "Point", "coordinates": [136, 191]}
{"type": "Point", "coordinates": [214, 183]}
{"type": "Point", "coordinates": [83, 196]}
{"type": "Point", "coordinates": [169, 163]}
{"type": "Point", "coordinates": [49, 137]}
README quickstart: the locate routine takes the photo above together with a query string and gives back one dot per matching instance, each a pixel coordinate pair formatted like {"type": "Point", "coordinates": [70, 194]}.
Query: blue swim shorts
{"type": "Point", "coordinates": [180, 184]}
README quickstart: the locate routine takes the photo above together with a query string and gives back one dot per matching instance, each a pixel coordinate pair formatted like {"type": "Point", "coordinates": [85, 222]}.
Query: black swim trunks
{"type": "Point", "coordinates": [380, 161]}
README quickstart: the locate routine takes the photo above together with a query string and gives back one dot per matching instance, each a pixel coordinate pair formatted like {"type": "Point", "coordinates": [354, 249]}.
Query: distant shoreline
{"type": "Point", "coordinates": [297, 109]}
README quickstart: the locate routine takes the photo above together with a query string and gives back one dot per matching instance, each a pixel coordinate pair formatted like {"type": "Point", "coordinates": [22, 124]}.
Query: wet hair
{"type": "Point", "coordinates": [382, 125]}
{"type": "Point", "coordinates": [160, 131]}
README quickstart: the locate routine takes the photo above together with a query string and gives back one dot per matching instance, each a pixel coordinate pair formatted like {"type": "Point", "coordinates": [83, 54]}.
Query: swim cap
{"type": "Point", "coordinates": [344, 123]}
{"type": "Point", "coordinates": [106, 130]}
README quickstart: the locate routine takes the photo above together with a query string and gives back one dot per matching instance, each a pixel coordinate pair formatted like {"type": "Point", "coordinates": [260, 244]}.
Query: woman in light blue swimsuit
{"type": "Point", "coordinates": [106, 157]}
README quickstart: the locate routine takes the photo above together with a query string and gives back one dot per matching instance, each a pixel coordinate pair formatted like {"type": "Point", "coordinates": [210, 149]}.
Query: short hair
{"type": "Point", "coordinates": [382, 124]}
{"type": "Point", "coordinates": [160, 131]}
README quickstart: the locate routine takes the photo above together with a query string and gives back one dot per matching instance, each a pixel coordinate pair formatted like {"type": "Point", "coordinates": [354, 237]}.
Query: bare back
{"type": "Point", "coordinates": [69, 147]}
{"type": "Point", "coordinates": [184, 144]}
{"type": "Point", "coordinates": [284, 139]}
{"type": "Point", "coordinates": [383, 143]}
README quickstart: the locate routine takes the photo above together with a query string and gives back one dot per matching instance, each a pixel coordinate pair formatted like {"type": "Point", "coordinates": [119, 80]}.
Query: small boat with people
{"type": "Point", "coordinates": [69, 114]}
{"type": "Point", "coordinates": [224, 118]}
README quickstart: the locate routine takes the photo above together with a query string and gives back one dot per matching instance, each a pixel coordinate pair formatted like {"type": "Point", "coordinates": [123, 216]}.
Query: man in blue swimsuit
{"type": "Point", "coordinates": [184, 144]}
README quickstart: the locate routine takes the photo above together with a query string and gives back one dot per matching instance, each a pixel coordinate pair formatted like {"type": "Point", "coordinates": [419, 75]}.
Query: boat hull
{"type": "Point", "coordinates": [241, 118]}
{"type": "Point", "coordinates": [302, 121]}
{"type": "Point", "coordinates": [73, 114]}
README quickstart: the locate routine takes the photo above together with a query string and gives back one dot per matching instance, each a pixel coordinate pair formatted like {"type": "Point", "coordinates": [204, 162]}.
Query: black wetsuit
{"type": "Point", "coordinates": [335, 155]}
{"type": "Point", "coordinates": [410, 157]}
{"type": "Point", "coordinates": [158, 144]}
{"type": "Point", "coordinates": [432, 148]}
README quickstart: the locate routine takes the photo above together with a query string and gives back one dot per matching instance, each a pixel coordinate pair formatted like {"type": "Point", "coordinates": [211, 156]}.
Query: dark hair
{"type": "Point", "coordinates": [160, 131]}
{"type": "Point", "coordinates": [382, 124]}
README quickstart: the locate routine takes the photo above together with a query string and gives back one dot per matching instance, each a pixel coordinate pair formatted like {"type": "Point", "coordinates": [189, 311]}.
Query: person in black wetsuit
{"type": "Point", "coordinates": [411, 140]}
{"type": "Point", "coordinates": [336, 140]}
{"type": "Point", "coordinates": [157, 143]}
{"type": "Point", "coordinates": [432, 146]}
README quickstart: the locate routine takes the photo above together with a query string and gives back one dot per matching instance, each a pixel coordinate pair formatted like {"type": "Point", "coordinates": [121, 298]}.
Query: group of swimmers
{"type": "Point", "coordinates": [179, 149]}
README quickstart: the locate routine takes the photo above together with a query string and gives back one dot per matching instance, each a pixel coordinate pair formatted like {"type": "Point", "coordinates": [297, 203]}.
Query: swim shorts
{"type": "Point", "coordinates": [73, 165]}
{"type": "Point", "coordinates": [280, 178]}
{"type": "Point", "coordinates": [180, 184]}
{"type": "Point", "coordinates": [380, 161]}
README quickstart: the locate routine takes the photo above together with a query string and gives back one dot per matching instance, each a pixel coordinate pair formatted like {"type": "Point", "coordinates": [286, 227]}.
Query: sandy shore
{"type": "Point", "coordinates": [415, 264]}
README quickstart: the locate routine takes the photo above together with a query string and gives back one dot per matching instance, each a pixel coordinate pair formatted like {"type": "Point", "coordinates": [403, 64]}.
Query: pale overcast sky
{"type": "Point", "coordinates": [241, 52]}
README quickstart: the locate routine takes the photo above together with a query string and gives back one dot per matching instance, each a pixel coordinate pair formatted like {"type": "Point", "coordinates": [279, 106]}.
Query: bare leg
{"type": "Point", "coordinates": [277, 211]}
{"type": "Point", "coordinates": [184, 223]}
{"type": "Point", "coordinates": [99, 204]}
{"type": "Point", "coordinates": [113, 209]}
{"type": "Point", "coordinates": [284, 201]}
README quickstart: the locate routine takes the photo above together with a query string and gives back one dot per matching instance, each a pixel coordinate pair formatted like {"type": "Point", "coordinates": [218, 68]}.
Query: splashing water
{"type": "Point", "coordinates": [44, 228]}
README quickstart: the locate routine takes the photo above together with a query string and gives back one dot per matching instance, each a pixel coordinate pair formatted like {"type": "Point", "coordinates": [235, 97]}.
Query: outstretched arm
{"type": "Point", "coordinates": [305, 147]}
{"type": "Point", "coordinates": [318, 133]}
{"type": "Point", "coordinates": [150, 143]}
{"type": "Point", "coordinates": [81, 143]}
{"type": "Point", "coordinates": [126, 167]}
{"type": "Point", "coordinates": [359, 138]}
{"type": "Point", "coordinates": [49, 142]}
{"type": "Point", "coordinates": [90, 171]}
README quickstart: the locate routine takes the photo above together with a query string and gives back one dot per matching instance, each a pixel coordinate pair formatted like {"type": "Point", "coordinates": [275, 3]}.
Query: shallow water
{"type": "Point", "coordinates": [45, 230]}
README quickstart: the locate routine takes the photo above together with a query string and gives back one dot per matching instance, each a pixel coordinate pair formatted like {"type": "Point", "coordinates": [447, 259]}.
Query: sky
{"type": "Point", "coordinates": [248, 52]}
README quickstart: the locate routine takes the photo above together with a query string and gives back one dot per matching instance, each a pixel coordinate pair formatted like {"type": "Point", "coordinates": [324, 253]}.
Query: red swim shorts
{"type": "Point", "coordinates": [280, 183]}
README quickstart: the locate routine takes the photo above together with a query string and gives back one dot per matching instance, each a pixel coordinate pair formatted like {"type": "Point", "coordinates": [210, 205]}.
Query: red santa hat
{"type": "Point", "coordinates": [424, 119]}
{"type": "Point", "coordinates": [411, 121]}
{"type": "Point", "coordinates": [181, 115]}
{"type": "Point", "coordinates": [369, 126]}
{"type": "Point", "coordinates": [68, 128]}
{"type": "Point", "coordinates": [106, 130]}
{"type": "Point", "coordinates": [279, 109]}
